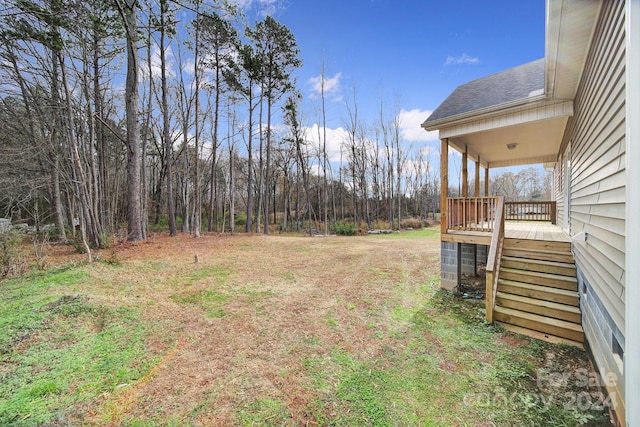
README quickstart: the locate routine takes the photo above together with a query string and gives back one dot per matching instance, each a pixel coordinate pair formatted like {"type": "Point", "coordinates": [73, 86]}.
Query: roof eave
{"type": "Point", "coordinates": [570, 25]}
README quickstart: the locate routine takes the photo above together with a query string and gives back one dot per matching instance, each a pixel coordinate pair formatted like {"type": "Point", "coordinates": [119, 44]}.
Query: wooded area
{"type": "Point", "coordinates": [123, 114]}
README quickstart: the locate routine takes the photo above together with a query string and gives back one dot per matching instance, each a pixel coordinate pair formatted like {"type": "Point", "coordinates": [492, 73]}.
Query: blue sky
{"type": "Point", "coordinates": [411, 53]}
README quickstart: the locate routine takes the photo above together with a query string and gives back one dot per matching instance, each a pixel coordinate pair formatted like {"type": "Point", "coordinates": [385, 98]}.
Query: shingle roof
{"type": "Point", "coordinates": [506, 86]}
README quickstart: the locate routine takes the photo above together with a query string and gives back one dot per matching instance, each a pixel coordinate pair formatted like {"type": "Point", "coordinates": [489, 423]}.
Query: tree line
{"type": "Point", "coordinates": [123, 114]}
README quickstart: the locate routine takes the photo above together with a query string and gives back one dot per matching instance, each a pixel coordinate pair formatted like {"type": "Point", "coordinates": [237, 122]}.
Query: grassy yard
{"type": "Point", "coordinates": [273, 331]}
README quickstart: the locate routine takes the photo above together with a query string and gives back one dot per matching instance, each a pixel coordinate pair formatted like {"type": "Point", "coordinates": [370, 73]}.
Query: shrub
{"type": "Point", "coordinates": [411, 223]}
{"type": "Point", "coordinates": [345, 228]}
{"type": "Point", "coordinates": [41, 249]}
{"type": "Point", "coordinates": [363, 228]}
{"type": "Point", "coordinates": [162, 225]}
{"type": "Point", "coordinates": [241, 218]}
{"type": "Point", "coordinates": [107, 241]}
{"type": "Point", "coordinates": [380, 224]}
{"type": "Point", "coordinates": [78, 244]}
{"type": "Point", "coordinates": [12, 261]}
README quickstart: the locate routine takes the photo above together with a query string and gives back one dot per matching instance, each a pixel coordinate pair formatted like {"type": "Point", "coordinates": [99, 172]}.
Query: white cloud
{"type": "Point", "coordinates": [243, 4]}
{"type": "Point", "coordinates": [335, 139]}
{"type": "Point", "coordinates": [461, 59]}
{"type": "Point", "coordinates": [156, 64]}
{"type": "Point", "coordinates": [189, 66]}
{"type": "Point", "coordinates": [410, 126]}
{"type": "Point", "coordinates": [331, 87]}
{"type": "Point", "coordinates": [264, 7]}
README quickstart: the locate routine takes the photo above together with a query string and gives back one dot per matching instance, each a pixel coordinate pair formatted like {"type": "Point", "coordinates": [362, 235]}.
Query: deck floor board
{"type": "Point", "coordinates": [525, 230]}
{"type": "Point", "coordinates": [535, 231]}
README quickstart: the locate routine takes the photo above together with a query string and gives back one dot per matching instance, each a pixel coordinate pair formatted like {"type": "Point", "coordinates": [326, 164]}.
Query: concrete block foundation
{"type": "Point", "coordinates": [450, 267]}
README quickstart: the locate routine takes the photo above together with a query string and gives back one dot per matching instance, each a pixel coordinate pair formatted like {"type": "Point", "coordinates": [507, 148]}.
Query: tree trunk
{"type": "Point", "coordinates": [214, 142]}
{"type": "Point", "coordinates": [197, 216]}
{"type": "Point", "coordinates": [57, 200]}
{"type": "Point", "coordinates": [324, 160]}
{"type": "Point", "coordinates": [267, 171]}
{"type": "Point", "coordinates": [166, 130]}
{"type": "Point", "coordinates": [100, 136]}
{"type": "Point", "coordinates": [250, 168]}
{"type": "Point", "coordinates": [81, 182]}
{"type": "Point", "coordinates": [260, 163]}
{"type": "Point", "coordinates": [232, 191]}
{"type": "Point", "coordinates": [134, 150]}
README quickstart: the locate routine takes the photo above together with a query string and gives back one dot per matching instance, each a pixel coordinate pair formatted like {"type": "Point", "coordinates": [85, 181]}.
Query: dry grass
{"type": "Point", "coordinates": [290, 330]}
{"type": "Point", "coordinates": [287, 299]}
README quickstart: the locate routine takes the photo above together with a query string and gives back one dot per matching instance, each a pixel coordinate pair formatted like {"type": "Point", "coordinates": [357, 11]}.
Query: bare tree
{"type": "Point", "coordinates": [351, 126]}
{"type": "Point", "coordinates": [399, 163]}
{"type": "Point", "coordinates": [297, 138]}
{"type": "Point", "coordinates": [218, 42]}
{"type": "Point", "coordinates": [325, 200]}
{"type": "Point", "coordinates": [166, 130]}
{"type": "Point", "coordinates": [186, 106]}
{"type": "Point", "coordinates": [197, 61]}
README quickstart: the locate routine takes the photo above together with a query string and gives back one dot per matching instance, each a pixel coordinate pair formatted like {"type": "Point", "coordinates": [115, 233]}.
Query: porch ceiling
{"type": "Point", "coordinates": [535, 142]}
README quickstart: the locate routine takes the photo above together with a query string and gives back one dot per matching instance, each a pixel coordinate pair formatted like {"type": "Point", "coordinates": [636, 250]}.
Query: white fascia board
{"type": "Point", "coordinates": [510, 117]}
{"type": "Point", "coordinates": [552, 41]}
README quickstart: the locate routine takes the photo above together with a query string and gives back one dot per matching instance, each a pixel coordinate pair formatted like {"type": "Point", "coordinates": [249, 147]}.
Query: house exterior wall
{"type": "Point", "coordinates": [596, 134]}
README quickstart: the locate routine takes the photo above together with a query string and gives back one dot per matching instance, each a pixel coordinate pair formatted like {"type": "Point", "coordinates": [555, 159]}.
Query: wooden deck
{"type": "Point", "coordinates": [535, 231]}
{"type": "Point", "coordinates": [529, 230]}
{"type": "Point", "coordinates": [531, 283]}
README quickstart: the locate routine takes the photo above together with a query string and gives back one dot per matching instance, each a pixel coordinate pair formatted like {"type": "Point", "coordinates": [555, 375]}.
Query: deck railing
{"type": "Point", "coordinates": [530, 211]}
{"type": "Point", "coordinates": [493, 260]}
{"type": "Point", "coordinates": [488, 214]}
{"type": "Point", "coordinates": [471, 213]}
{"type": "Point", "coordinates": [479, 213]}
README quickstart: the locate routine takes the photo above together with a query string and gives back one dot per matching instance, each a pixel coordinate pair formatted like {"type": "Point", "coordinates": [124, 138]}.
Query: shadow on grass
{"type": "Point", "coordinates": [449, 367]}
{"type": "Point", "coordinates": [515, 370]}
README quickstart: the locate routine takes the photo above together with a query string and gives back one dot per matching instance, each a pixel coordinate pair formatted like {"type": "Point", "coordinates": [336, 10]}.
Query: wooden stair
{"type": "Point", "coordinates": [537, 291]}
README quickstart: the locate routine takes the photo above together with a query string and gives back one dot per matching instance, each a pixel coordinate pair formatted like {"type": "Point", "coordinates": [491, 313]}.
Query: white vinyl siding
{"type": "Point", "coordinates": [597, 135]}
{"type": "Point", "coordinates": [597, 205]}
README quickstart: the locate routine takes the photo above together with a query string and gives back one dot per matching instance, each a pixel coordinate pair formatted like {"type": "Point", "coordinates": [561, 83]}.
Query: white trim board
{"type": "Point", "coordinates": [632, 220]}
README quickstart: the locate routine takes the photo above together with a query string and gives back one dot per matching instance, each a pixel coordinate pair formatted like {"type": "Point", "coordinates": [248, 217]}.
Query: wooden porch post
{"type": "Point", "coordinates": [465, 173]}
{"type": "Point", "coordinates": [444, 183]}
{"type": "Point", "coordinates": [486, 181]}
{"type": "Point", "coordinates": [476, 192]}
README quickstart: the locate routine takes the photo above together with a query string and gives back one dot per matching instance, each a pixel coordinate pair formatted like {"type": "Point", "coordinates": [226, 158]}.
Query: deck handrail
{"type": "Point", "coordinates": [471, 213]}
{"type": "Point", "coordinates": [493, 260]}
{"type": "Point", "coordinates": [531, 211]}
